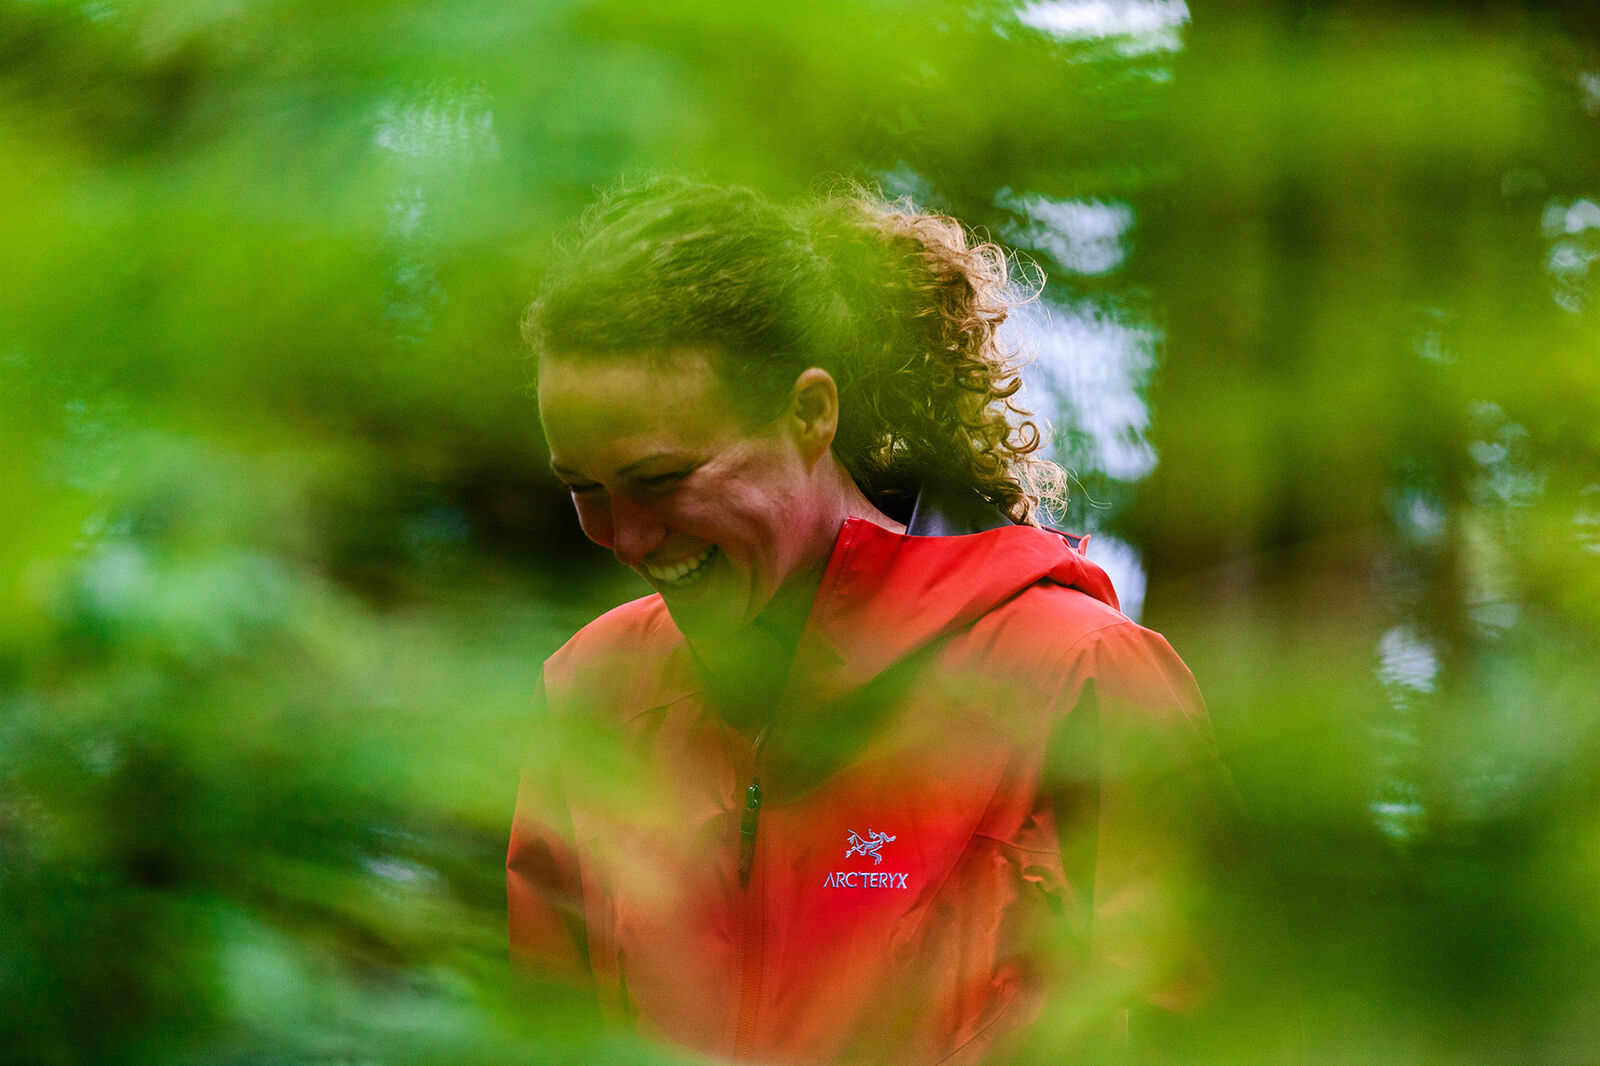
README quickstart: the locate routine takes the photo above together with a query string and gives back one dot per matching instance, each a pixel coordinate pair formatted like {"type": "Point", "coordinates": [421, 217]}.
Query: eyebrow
{"type": "Point", "coordinates": [621, 472]}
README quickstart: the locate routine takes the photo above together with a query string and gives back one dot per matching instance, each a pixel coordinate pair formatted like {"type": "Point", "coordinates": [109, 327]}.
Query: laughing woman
{"type": "Point", "coordinates": [879, 772]}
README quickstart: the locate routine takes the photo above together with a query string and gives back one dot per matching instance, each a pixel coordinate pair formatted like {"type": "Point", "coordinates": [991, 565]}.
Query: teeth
{"type": "Point", "coordinates": [685, 573]}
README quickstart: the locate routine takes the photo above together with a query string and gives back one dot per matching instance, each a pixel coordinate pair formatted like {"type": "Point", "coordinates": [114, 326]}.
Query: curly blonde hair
{"type": "Point", "coordinates": [902, 308]}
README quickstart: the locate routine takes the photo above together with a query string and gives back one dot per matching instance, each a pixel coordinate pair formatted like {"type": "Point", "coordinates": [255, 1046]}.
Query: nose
{"type": "Point", "coordinates": [635, 531]}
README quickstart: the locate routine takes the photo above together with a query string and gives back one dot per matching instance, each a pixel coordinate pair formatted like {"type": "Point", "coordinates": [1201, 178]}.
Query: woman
{"type": "Point", "coordinates": [858, 781]}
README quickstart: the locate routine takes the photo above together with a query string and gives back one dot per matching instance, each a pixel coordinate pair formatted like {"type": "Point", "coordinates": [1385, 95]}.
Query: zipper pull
{"type": "Point", "coordinates": [747, 830]}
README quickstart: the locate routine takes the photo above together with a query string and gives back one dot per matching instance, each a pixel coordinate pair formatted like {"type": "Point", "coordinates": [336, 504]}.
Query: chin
{"type": "Point", "coordinates": [716, 608]}
{"type": "Point", "coordinates": [704, 621]}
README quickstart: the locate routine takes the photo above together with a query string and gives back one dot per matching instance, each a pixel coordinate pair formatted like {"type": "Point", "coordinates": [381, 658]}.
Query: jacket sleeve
{"type": "Point", "coordinates": [1152, 750]}
{"type": "Point", "coordinates": [544, 883]}
{"type": "Point", "coordinates": [1160, 958]}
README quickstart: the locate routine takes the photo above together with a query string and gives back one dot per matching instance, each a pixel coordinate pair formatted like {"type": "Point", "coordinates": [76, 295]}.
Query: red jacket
{"type": "Point", "coordinates": [903, 859]}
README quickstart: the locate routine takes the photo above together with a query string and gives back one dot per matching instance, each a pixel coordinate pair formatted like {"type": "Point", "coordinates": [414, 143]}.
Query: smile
{"type": "Point", "coordinates": [683, 574]}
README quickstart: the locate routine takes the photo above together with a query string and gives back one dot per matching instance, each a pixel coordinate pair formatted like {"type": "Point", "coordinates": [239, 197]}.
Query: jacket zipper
{"type": "Point", "coordinates": [747, 829]}
{"type": "Point", "coordinates": [751, 816]}
{"type": "Point", "coordinates": [754, 932]}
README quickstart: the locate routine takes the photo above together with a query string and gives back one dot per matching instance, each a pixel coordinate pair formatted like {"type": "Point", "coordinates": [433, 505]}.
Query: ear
{"type": "Point", "coordinates": [814, 413]}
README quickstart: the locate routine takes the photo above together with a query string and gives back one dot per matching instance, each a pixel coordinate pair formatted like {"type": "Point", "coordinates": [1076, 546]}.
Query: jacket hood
{"type": "Point", "coordinates": [886, 595]}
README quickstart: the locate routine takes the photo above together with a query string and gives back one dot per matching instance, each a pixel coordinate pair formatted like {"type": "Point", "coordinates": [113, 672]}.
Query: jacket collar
{"type": "Point", "coordinates": [950, 511]}
{"type": "Point", "coordinates": [945, 511]}
{"type": "Point", "coordinates": [886, 595]}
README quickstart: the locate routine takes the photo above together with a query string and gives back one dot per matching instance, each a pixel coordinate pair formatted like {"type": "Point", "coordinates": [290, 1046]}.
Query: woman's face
{"type": "Point", "coordinates": [715, 515]}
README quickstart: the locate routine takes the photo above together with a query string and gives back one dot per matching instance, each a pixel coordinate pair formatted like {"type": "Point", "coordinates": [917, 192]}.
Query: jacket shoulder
{"type": "Point", "coordinates": [1038, 629]}
{"type": "Point", "coordinates": [1055, 640]}
{"type": "Point", "coordinates": [618, 658]}
{"type": "Point", "coordinates": [1061, 609]}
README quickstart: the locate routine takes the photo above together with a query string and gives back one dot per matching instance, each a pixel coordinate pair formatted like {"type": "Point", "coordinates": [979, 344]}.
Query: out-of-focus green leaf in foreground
{"type": "Point", "coordinates": [279, 555]}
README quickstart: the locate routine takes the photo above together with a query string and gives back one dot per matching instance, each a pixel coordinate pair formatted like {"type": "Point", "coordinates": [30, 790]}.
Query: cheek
{"type": "Point", "coordinates": [595, 518]}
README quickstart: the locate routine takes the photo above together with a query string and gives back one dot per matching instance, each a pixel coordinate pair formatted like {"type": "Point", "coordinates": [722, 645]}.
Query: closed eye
{"type": "Point", "coordinates": [579, 488]}
{"type": "Point", "coordinates": [658, 482]}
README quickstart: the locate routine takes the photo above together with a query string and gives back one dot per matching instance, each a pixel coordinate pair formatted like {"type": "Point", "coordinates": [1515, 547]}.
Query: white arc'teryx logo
{"type": "Point", "coordinates": [873, 843]}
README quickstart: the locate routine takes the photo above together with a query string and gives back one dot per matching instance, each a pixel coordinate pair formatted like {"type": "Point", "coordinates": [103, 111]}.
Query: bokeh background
{"type": "Point", "coordinates": [280, 557]}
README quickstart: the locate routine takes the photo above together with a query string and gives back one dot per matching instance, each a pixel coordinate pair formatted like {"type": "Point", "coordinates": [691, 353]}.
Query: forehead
{"type": "Point", "coordinates": [594, 410]}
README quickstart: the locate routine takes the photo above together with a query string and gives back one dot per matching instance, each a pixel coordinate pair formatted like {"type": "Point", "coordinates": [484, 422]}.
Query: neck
{"type": "Point", "coordinates": [747, 671]}
{"type": "Point", "coordinates": [853, 503]}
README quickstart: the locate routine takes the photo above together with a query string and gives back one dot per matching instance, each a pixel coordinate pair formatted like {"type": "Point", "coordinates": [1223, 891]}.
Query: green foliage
{"type": "Point", "coordinates": [279, 556]}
